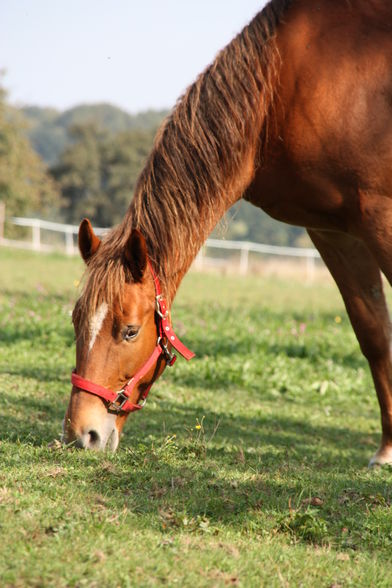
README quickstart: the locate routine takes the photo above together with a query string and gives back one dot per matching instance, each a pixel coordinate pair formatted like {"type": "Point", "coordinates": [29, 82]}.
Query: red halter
{"type": "Point", "coordinates": [119, 401]}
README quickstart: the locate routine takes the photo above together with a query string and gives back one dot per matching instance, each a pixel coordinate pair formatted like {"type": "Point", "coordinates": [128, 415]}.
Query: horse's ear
{"type": "Point", "coordinates": [88, 240]}
{"type": "Point", "coordinates": [135, 255]}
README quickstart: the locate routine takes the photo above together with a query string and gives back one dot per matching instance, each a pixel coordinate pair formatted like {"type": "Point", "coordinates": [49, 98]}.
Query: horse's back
{"type": "Point", "coordinates": [334, 112]}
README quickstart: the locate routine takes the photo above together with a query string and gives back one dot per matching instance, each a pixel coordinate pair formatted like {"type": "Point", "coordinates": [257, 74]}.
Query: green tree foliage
{"type": "Point", "coordinates": [25, 186]}
{"type": "Point", "coordinates": [98, 173]}
{"type": "Point", "coordinates": [245, 222]}
{"type": "Point", "coordinates": [110, 118]}
{"type": "Point", "coordinates": [46, 135]}
{"type": "Point", "coordinates": [49, 128]}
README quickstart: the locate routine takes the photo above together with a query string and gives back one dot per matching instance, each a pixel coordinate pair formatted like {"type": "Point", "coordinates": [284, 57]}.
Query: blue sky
{"type": "Point", "coordinates": [137, 54]}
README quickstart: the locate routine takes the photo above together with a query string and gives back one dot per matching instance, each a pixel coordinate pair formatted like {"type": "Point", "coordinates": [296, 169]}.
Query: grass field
{"type": "Point", "coordinates": [248, 466]}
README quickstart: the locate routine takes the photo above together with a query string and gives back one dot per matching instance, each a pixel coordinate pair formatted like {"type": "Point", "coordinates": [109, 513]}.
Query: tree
{"type": "Point", "coordinates": [98, 172]}
{"type": "Point", "coordinates": [25, 186]}
{"type": "Point", "coordinates": [49, 129]}
{"type": "Point", "coordinates": [245, 222]}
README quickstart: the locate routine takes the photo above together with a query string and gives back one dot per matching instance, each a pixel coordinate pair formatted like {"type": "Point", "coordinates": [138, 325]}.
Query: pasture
{"type": "Point", "coordinates": [248, 466]}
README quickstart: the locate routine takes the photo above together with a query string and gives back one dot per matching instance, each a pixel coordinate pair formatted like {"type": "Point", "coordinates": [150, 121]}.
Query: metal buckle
{"type": "Point", "coordinates": [119, 402]}
{"type": "Point", "coordinates": [141, 404]}
{"type": "Point", "coordinates": [158, 298]}
{"type": "Point", "coordinates": [170, 357]}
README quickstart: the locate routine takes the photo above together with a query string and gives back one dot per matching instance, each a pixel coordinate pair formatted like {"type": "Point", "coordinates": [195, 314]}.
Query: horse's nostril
{"type": "Point", "coordinates": [94, 438]}
{"type": "Point", "coordinates": [89, 440]}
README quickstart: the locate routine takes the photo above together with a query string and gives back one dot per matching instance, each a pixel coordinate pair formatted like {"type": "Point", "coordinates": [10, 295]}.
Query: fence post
{"type": "Point", "coordinates": [199, 260]}
{"type": "Point", "coordinates": [69, 246]}
{"type": "Point", "coordinates": [36, 226]}
{"type": "Point", "coordinates": [2, 220]}
{"type": "Point", "coordinates": [310, 268]}
{"type": "Point", "coordinates": [244, 260]}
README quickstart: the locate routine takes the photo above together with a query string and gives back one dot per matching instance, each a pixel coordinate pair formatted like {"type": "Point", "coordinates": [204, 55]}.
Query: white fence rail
{"type": "Point", "coordinates": [244, 248]}
{"type": "Point", "coordinates": [37, 225]}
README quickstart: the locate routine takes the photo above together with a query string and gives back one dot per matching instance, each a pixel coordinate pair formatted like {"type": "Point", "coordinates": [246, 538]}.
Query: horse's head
{"type": "Point", "coordinates": [120, 345]}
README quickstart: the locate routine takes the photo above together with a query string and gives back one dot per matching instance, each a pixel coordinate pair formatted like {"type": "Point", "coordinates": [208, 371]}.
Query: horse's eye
{"type": "Point", "coordinates": [130, 332]}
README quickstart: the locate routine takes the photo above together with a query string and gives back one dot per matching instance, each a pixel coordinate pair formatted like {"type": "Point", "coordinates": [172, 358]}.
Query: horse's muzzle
{"type": "Point", "coordinates": [94, 437]}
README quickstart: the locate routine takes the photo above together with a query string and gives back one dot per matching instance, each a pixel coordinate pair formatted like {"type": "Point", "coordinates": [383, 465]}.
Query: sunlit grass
{"type": "Point", "coordinates": [247, 467]}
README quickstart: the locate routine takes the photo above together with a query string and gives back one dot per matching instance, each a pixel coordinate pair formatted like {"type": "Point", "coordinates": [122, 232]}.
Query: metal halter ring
{"type": "Point", "coordinates": [170, 357]}
{"type": "Point", "coordinates": [158, 298]}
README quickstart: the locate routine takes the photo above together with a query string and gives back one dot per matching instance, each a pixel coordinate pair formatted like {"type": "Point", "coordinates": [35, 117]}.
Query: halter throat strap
{"type": "Point", "coordinates": [120, 401]}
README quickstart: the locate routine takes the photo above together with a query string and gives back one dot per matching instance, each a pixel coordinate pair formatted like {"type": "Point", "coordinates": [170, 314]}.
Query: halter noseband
{"type": "Point", "coordinates": [119, 401]}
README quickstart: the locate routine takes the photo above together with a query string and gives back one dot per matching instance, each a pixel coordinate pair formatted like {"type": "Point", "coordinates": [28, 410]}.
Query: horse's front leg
{"type": "Point", "coordinates": [358, 277]}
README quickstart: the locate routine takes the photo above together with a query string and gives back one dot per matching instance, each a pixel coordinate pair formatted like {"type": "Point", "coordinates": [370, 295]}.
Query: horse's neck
{"type": "Point", "coordinates": [176, 226]}
{"type": "Point", "coordinates": [204, 156]}
{"type": "Point", "coordinates": [197, 233]}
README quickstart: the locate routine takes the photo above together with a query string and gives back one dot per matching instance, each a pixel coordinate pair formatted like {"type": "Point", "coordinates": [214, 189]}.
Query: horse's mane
{"type": "Point", "coordinates": [199, 156]}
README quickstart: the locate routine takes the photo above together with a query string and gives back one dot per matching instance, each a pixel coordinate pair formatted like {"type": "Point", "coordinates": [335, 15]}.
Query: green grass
{"type": "Point", "coordinates": [248, 466]}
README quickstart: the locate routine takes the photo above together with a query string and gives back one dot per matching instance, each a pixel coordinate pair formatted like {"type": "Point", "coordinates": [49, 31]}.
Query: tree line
{"type": "Point", "coordinates": [86, 161]}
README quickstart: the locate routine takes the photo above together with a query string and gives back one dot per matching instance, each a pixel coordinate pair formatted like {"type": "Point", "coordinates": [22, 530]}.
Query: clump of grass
{"type": "Point", "coordinates": [306, 525]}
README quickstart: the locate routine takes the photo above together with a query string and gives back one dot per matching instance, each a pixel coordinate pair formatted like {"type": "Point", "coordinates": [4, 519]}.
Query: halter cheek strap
{"type": "Point", "coordinates": [119, 401]}
{"type": "Point", "coordinates": [166, 330]}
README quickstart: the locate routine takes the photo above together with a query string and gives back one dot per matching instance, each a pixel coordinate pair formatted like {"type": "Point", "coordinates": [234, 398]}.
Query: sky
{"type": "Point", "coordinates": [136, 54]}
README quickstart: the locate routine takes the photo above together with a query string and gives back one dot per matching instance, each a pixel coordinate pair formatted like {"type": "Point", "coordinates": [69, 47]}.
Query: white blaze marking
{"type": "Point", "coordinates": [96, 323]}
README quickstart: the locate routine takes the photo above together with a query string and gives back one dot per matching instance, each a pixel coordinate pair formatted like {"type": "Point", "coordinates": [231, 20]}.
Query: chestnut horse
{"type": "Point", "coordinates": [294, 115]}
